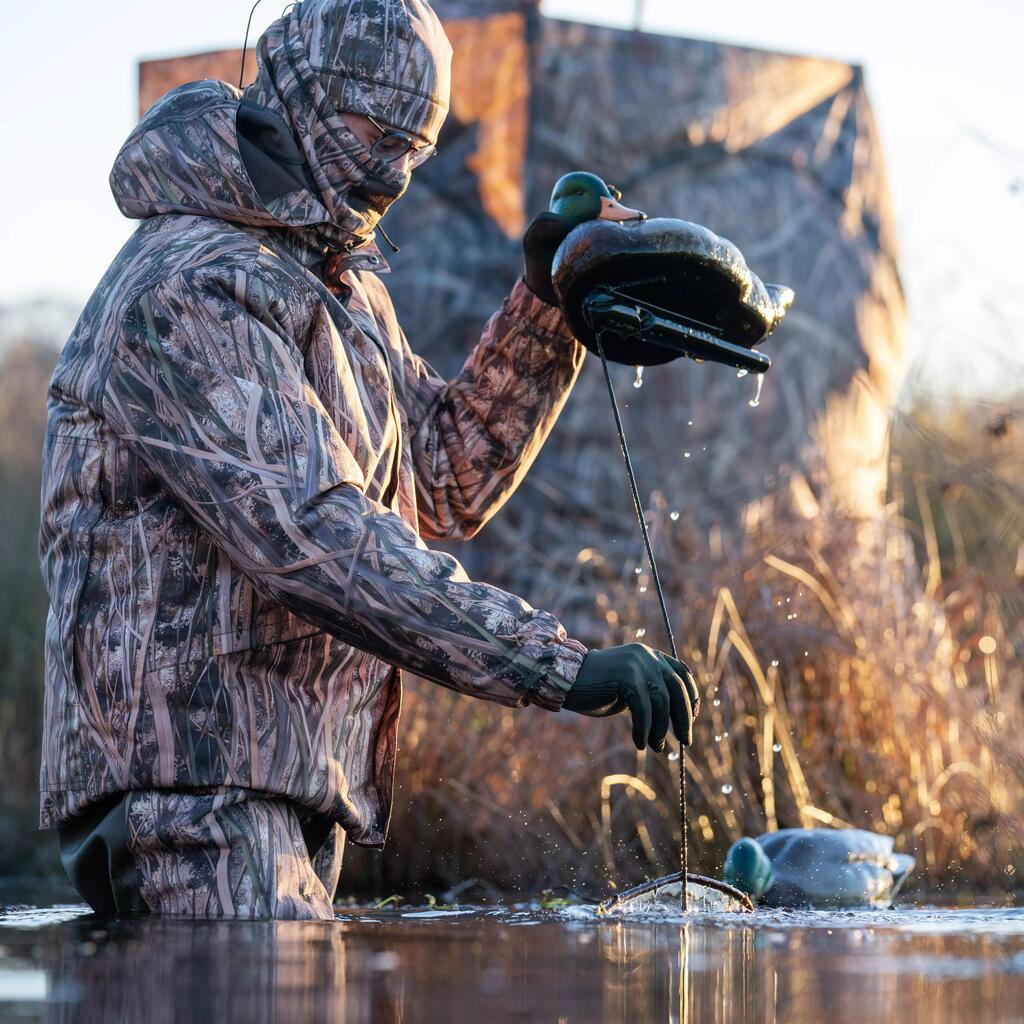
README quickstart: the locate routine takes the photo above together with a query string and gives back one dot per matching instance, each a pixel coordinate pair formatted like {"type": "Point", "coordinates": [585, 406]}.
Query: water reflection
{"type": "Point", "coordinates": [490, 967]}
{"type": "Point", "coordinates": [164, 972]}
{"type": "Point", "coordinates": [692, 973]}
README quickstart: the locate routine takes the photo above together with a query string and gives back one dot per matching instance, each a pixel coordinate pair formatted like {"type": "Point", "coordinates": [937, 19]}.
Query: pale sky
{"type": "Point", "coordinates": [944, 78]}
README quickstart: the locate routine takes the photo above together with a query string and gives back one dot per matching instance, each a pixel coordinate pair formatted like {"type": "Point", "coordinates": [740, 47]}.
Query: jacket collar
{"type": "Point", "coordinates": [330, 256]}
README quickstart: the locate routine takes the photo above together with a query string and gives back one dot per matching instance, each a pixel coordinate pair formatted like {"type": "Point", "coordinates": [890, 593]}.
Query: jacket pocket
{"type": "Point", "coordinates": [273, 627]}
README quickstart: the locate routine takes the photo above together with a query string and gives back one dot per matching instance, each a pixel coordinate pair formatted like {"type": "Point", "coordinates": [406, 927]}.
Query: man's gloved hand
{"type": "Point", "coordinates": [545, 234]}
{"type": "Point", "coordinates": [655, 687]}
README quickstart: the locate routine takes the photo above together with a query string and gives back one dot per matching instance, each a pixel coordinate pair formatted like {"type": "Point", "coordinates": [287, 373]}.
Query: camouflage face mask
{"type": "Point", "coordinates": [379, 187]}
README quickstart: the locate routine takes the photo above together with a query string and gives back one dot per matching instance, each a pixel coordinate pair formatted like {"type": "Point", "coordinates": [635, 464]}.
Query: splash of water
{"type": "Point", "coordinates": [756, 400]}
{"type": "Point", "coordinates": [639, 382]}
{"type": "Point", "coordinates": [664, 902]}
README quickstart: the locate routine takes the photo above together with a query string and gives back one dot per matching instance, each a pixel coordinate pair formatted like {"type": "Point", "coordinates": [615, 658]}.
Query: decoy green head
{"type": "Point", "coordinates": [582, 196]}
{"type": "Point", "coordinates": [748, 868]}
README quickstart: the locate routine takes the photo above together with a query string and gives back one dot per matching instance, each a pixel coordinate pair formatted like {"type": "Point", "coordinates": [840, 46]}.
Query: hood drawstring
{"type": "Point", "coordinates": [384, 235]}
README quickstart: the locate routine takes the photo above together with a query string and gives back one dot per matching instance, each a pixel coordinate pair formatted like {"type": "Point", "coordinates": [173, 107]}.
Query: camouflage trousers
{"type": "Point", "coordinates": [215, 853]}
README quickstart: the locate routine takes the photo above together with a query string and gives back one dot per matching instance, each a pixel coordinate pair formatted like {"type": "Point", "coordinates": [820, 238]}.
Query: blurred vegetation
{"type": "Point", "coordinates": [24, 372]}
{"type": "Point", "coordinates": [861, 673]}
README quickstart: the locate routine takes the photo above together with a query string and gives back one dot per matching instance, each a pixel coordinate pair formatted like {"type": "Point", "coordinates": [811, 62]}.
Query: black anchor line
{"type": "Point", "coordinates": [683, 844]}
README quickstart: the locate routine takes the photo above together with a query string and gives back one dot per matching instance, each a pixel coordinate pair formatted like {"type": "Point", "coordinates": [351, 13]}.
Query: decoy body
{"type": "Point", "coordinates": [818, 868]}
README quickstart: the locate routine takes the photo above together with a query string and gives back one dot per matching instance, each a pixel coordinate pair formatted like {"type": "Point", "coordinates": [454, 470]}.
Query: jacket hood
{"type": "Point", "coordinates": [390, 59]}
{"type": "Point", "coordinates": [279, 154]}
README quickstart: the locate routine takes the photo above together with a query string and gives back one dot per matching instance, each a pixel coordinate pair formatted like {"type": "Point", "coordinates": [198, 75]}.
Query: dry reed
{"type": "Point", "coordinates": [849, 681]}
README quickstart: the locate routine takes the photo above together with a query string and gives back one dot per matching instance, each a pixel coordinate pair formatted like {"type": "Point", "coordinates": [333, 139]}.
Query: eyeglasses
{"type": "Point", "coordinates": [393, 145]}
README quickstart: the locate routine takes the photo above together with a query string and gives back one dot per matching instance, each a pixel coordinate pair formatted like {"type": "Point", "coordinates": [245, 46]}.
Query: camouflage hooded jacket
{"type": "Point", "coordinates": [243, 454]}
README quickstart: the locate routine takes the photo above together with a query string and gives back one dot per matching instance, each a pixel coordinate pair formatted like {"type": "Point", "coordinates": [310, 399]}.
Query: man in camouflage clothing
{"type": "Point", "coordinates": [243, 454]}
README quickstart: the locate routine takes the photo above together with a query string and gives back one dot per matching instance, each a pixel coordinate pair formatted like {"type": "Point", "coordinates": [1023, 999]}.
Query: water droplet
{"type": "Point", "coordinates": [742, 373]}
{"type": "Point", "coordinates": [639, 382]}
{"type": "Point", "coordinates": [640, 632]}
{"type": "Point", "coordinates": [686, 455]}
{"type": "Point", "coordinates": [756, 400]}
{"type": "Point", "coordinates": [643, 590]}
{"type": "Point", "coordinates": [673, 516]}
{"type": "Point", "coordinates": [673, 755]}
{"type": "Point", "coordinates": [806, 653]}
{"type": "Point", "coordinates": [689, 423]}
{"type": "Point", "coordinates": [718, 739]}
{"type": "Point", "coordinates": [727, 789]}
{"type": "Point", "coordinates": [639, 569]}
{"type": "Point", "coordinates": [716, 702]}
{"type": "Point", "coordinates": [725, 734]}
{"type": "Point", "coordinates": [775, 662]}
{"type": "Point", "coordinates": [777, 748]}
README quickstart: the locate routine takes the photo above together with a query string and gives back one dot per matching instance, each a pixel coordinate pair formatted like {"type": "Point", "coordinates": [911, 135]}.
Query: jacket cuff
{"type": "Point", "coordinates": [523, 305]}
{"type": "Point", "coordinates": [558, 680]}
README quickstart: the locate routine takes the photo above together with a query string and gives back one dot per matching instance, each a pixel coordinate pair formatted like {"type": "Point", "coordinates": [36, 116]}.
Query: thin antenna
{"type": "Point", "coordinates": [245, 45]}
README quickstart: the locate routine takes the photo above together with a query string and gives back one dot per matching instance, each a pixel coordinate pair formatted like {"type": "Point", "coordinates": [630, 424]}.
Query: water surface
{"type": "Point", "coordinates": [490, 965]}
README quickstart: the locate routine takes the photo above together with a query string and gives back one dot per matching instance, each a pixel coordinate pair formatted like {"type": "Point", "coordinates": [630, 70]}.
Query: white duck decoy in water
{"type": "Point", "coordinates": [818, 868]}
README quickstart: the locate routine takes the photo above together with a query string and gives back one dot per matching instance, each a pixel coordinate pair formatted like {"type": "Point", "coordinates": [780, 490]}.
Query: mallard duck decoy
{"type": "Point", "coordinates": [818, 868]}
{"type": "Point", "coordinates": [581, 196]}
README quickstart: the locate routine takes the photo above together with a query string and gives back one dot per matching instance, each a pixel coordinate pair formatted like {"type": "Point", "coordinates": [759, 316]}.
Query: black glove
{"type": "Point", "coordinates": [655, 687]}
{"type": "Point", "coordinates": [545, 234]}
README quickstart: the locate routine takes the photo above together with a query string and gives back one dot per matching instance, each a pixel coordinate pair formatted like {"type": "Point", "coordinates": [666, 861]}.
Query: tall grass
{"type": "Point", "coordinates": [856, 673]}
